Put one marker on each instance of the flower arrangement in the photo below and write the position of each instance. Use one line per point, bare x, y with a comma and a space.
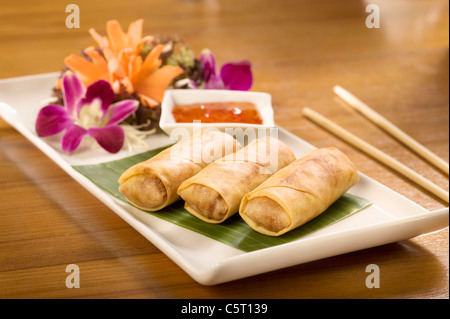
112, 92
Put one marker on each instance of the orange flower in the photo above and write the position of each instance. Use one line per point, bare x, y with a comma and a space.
122, 65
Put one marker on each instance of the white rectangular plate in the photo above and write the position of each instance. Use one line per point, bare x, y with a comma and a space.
390, 218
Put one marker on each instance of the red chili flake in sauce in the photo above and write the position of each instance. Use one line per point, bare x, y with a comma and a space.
217, 112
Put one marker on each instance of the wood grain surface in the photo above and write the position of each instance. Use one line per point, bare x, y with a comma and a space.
299, 50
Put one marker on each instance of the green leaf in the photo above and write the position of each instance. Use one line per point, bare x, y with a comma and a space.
234, 231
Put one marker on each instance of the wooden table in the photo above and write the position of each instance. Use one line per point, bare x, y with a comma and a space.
299, 50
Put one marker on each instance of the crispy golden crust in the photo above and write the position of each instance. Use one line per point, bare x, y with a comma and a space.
303, 190
214, 208
268, 213
144, 190
152, 184
214, 194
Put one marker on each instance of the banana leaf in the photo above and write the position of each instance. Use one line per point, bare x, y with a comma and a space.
234, 231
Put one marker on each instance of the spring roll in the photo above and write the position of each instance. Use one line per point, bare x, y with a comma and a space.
299, 192
215, 193
152, 184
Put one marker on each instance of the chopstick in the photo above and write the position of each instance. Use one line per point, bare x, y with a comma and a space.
376, 153
375, 117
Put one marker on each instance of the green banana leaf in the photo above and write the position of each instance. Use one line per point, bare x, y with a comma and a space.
234, 231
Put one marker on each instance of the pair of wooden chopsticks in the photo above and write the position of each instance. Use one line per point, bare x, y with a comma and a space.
376, 153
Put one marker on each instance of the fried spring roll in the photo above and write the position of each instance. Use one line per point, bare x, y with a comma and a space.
299, 192
215, 193
152, 184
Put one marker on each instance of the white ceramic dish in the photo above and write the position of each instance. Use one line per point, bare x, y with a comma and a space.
263, 102
390, 218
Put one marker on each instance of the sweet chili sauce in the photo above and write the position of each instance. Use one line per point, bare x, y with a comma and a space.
217, 112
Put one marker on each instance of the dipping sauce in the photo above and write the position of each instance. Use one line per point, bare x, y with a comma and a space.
217, 112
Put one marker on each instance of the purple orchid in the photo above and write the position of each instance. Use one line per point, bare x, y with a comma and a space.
232, 76
89, 112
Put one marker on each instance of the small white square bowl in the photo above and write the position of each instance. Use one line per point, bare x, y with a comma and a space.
263, 102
